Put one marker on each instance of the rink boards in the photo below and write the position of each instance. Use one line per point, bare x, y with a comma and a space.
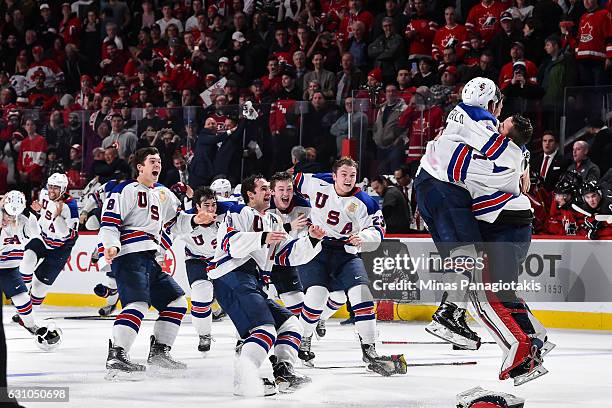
574, 275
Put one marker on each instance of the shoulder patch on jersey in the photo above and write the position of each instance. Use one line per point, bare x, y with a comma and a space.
326, 177
109, 186
369, 202
119, 187
299, 201
73, 206
190, 211
476, 113
225, 206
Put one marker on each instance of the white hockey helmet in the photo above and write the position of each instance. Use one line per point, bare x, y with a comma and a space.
480, 91
59, 180
14, 202
221, 187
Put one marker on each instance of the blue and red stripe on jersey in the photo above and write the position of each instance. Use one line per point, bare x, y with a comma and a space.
12, 255
282, 258
131, 236
495, 146
489, 203
110, 219
225, 243
459, 163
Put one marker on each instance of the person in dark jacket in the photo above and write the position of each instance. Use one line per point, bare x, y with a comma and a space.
201, 166
301, 164
395, 208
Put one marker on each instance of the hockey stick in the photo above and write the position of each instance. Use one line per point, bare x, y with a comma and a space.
427, 342
451, 363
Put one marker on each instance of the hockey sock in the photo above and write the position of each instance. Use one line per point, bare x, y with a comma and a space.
460, 273
201, 299
363, 305
293, 301
127, 324
27, 279
288, 340
258, 344
314, 301
334, 302
23, 304
38, 291
27, 266
169, 321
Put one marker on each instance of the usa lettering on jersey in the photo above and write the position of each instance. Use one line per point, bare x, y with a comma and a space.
57, 226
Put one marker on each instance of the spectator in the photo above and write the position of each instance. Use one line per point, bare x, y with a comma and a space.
178, 173
358, 123
594, 51
502, 42
517, 53
451, 35
548, 14
400, 20
201, 166
472, 56
301, 163
316, 128
168, 19
355, 13
116, 165
357, 46
387, 50
123, 140
533, 42
484, 19
388, 135
556, 73
562, 219
404, 183
52, 165
522, 95
596, 202
299, 65
425, 76
550, 164
32, 157
395, 208
326, 79
484, 68
349, 79
405, 88
582, 165
521, 10
420, 32
601, 146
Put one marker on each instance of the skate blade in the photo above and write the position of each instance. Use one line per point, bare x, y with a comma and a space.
119, 375
308, 364
445, 334
547, 348
536, 373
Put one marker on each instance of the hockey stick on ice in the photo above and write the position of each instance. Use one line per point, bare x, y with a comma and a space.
427, 342
450, 363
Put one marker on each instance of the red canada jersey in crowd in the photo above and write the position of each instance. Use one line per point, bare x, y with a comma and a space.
32, 155
485, 20
423, 126
406, 93
561, 221
271, 86
278, 114
506, 73
71, 31
421, 43
220, 118
595, 35
456, 37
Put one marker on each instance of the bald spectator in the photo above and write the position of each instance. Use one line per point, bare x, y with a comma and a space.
582, 163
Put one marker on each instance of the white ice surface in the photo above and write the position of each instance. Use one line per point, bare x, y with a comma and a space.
580, 369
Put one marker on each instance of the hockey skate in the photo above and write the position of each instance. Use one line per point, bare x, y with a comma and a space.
204, 344
107, 310
530, 369
238, 347
159, 355
321, 330
287, 380
16, 318
247, 382
547, 347
218, 315
383, 365
304, 352
448, 323
119, 365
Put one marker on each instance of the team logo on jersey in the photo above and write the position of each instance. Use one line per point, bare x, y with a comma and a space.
162, 196
352, 207
586, 33
168, 265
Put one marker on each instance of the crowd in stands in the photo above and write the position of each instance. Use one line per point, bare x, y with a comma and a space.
85, 83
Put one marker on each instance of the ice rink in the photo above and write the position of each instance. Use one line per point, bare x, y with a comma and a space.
580, 369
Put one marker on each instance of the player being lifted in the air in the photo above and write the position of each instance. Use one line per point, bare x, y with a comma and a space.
130, 233
353, 223
250, 241
198, 228
46, 255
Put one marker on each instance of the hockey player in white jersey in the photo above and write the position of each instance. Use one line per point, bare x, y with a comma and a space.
294, 212
250, 240
131, 233
46, 255
16, 229
353, 224
223, 189
446, 205
198, 228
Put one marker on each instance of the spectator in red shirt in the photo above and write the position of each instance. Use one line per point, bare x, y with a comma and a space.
32, 155
355, 13
484, 18
115, 61
451, 35
517, 53
272, 81
594, 51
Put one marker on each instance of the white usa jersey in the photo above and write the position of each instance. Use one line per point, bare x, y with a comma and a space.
240, 240
13, 239
57, 226
298, 206
201, 241
96, 198
471, 132
339, 216
132, 219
